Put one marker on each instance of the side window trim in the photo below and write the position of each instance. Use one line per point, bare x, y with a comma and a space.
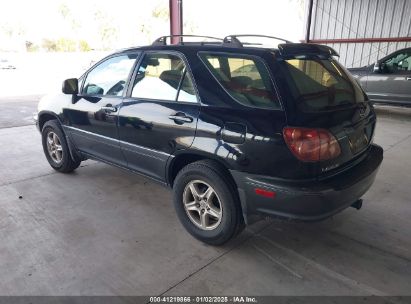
130, 74
134, 72
81, 82
243, 55
181, 83
187, 69
85, 75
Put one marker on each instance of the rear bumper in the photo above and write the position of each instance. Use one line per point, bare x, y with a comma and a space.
310, 200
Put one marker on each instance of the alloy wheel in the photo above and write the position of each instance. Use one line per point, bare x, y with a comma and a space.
202, 205
54, 147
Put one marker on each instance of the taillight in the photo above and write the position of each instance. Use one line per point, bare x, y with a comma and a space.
311, 145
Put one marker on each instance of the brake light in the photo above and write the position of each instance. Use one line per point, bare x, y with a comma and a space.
311, 145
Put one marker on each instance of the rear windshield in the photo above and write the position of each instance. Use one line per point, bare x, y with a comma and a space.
244, 77
321, 84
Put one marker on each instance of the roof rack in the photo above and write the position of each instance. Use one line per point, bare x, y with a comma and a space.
163, 40
230, 40
234, 41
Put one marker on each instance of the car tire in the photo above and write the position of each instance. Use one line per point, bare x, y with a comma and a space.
56, 148
214, 216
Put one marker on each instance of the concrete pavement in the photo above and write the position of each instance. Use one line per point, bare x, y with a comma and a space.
18, 111
104, 231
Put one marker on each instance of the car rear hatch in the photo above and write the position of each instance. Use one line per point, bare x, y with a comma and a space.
322, 95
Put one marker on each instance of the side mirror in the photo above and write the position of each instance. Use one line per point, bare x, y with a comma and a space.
70, 86
377, 67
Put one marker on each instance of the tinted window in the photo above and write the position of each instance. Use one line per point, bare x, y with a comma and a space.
399, 63
109, 77
164, 77
320, 84
245, 78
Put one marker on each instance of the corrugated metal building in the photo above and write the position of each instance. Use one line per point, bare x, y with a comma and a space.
361, 31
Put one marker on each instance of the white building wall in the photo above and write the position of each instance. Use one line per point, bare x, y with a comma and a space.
355, 19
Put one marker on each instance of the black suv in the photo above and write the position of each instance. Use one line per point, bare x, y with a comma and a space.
238, 131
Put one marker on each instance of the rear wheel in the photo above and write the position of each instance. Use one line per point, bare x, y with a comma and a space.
56, 149
206, 203
202, 205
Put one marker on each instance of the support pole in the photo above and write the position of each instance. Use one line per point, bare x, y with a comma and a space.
176, 19
310, 13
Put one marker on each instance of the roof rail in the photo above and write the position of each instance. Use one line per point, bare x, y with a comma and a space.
234, 41
163, 39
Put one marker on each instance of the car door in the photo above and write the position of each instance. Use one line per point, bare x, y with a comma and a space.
92, 116
392, 82
159, 115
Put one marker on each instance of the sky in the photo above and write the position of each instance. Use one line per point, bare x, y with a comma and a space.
283, 18
39, 19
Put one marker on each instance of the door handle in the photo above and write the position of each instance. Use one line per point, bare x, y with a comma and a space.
109, 109
181, 118
408, 78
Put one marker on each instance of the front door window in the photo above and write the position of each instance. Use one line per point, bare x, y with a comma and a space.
109, 77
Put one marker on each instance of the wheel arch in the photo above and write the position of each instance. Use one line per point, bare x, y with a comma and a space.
179, 161
217, 165
45, 116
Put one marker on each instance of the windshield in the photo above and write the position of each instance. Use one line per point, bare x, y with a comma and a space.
321, 84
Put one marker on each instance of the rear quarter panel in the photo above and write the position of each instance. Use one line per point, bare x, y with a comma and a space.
262, 149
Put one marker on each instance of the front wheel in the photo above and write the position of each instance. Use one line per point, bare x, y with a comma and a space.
56, 149
206, 203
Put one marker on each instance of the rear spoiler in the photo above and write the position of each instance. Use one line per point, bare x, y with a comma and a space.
293, 49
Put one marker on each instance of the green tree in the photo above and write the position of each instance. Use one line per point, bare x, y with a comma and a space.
66, 45
49, 45
32, 47
106, 30
72, 23
84, 46
161, 12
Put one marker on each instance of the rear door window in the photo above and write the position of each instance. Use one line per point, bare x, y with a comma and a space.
164, 77
244, 77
